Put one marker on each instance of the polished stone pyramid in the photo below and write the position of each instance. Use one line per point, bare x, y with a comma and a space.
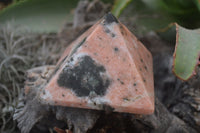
106, 68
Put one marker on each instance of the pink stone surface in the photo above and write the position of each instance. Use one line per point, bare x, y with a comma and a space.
106, 67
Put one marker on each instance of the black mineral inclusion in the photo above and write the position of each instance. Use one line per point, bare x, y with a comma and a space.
109, 18
84, 78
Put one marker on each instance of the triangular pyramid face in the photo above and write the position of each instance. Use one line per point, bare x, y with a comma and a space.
105, 68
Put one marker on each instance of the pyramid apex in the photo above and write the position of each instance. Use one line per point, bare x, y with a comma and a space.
110, 69
110, 18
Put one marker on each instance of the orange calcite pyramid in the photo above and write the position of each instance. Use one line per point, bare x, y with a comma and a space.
105, 68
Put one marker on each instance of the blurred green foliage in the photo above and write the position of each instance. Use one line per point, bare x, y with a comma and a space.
49, 15
118, 6
39, 15
184, 12
158, 15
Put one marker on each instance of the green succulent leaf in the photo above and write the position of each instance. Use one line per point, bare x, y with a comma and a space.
187, 52
39, 15
197, 2
118, 6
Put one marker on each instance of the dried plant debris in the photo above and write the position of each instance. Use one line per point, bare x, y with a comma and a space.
162, 121
35, 112
181, 98
20, 51
89, 12
186, 105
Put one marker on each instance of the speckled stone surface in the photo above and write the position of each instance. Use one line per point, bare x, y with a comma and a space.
105, 68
